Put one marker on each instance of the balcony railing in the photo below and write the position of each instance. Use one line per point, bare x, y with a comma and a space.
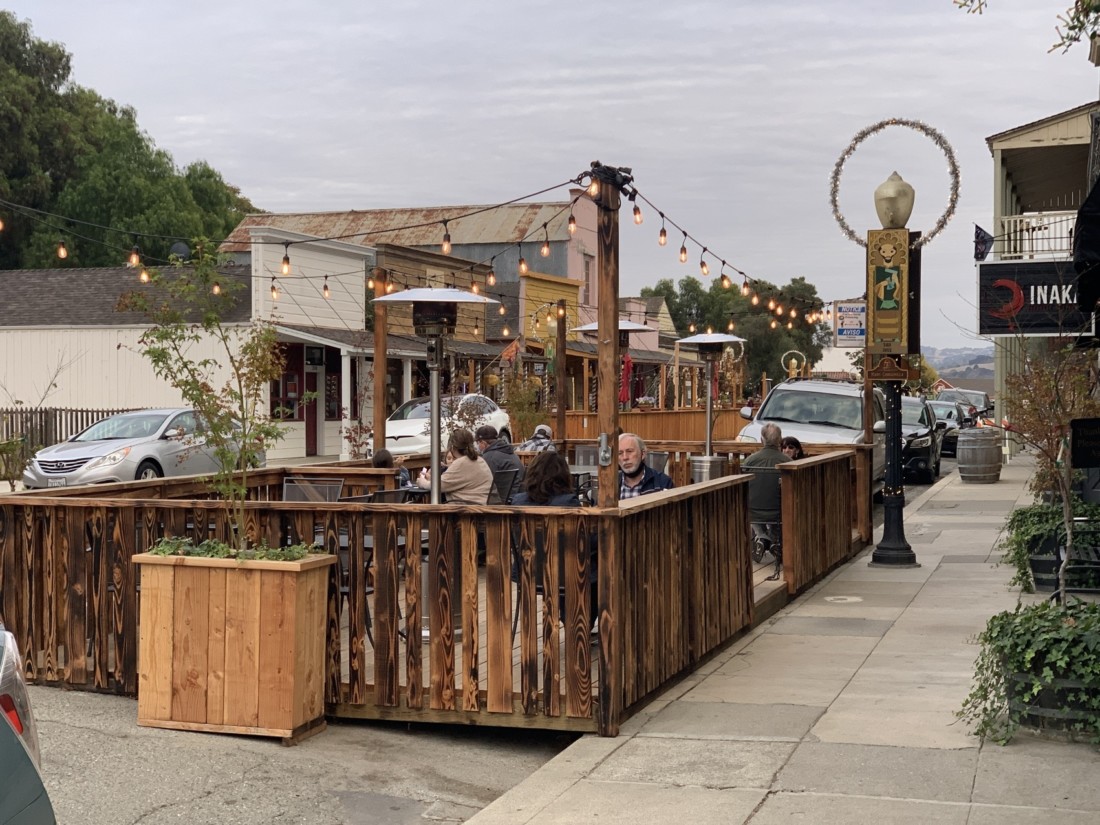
1036, 236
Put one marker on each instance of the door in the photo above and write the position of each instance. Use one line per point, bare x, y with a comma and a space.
186, 452
311, 413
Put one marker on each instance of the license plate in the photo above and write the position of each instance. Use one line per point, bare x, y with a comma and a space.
55, 482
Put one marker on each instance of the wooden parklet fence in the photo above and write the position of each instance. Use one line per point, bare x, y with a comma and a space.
417, 630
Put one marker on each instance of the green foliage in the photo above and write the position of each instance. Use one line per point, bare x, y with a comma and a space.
228, 390
214, 549
716, 306
1031, 651
14, 455
1026, 528
1079, 21
522, 403
68, 151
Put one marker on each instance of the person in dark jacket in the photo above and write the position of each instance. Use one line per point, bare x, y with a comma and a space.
636, 478
497, 452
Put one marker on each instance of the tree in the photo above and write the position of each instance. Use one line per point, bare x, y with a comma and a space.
185, 313
67, 151
1081, 20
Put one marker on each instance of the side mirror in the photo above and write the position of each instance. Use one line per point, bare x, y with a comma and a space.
173, 432
879, 426
746, 413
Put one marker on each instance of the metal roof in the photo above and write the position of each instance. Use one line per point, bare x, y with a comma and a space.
418, 226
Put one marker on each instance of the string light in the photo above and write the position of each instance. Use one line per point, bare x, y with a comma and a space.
522, 264
446, 245
477, 328
544, 250
755, 299
790, 325
325, 290
1, 224
474, 288
274, 289
745, 288
684, 249
703, 264
771, 304
491, 279
779, 309
710, 330
505, 331
691, 327
593, 188
135, 256
730, 326
794, 312
62, 250
500, 309
389, 286
726, 282
286, 258
561, 310
216, 288
572, 224
143, 276
662, 236
638, 217
774, 323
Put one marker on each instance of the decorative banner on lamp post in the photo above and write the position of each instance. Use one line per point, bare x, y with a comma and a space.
887, 291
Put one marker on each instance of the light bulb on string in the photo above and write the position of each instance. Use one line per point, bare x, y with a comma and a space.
135, 256
505, 331
389, 287
549, 317
370, 282
274, 290
684, 249
286, 259
572, 224
771, 304
1, 224
500, 309
445, 247
774, 323
491, 278
790, 325
755, 299
730, 326
745, 288
779, 309
638, 217
325, 290
691, 327
474, 288
143, 276
522, 265
561, 310
477, 328
726, 282
662, 236
703, 268
794, 312
593, 188
62, 250
544, 250
216, 288
710, 330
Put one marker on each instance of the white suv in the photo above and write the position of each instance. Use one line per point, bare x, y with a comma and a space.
821, 412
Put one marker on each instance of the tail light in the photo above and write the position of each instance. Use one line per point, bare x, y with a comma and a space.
15, 705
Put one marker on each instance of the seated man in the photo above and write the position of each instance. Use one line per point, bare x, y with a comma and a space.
636, 478
765, 511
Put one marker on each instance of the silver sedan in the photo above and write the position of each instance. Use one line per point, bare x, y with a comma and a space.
136, 445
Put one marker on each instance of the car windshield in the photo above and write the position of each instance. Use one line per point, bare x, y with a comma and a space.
911, 415
820, 408
123, 426
945, 411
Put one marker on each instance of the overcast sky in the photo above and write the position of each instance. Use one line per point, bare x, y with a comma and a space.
731, 113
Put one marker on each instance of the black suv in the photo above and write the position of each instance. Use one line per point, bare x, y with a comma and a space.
923, 436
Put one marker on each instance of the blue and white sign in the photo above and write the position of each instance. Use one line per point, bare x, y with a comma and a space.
850, 324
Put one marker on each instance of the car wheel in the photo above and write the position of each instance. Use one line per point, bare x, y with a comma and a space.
147, 470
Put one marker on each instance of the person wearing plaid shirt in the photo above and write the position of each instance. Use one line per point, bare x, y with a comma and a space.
636, 478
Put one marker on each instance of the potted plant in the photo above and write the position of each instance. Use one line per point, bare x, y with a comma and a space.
1033, 542
232, 641
1039, 667
645, 402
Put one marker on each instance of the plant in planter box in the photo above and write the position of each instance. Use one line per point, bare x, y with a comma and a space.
214, 549
1036, 531
1039, 666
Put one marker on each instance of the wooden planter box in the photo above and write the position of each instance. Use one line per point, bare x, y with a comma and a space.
233, 647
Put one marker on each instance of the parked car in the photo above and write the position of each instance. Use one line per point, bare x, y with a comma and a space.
23, 797
923, 436
956, 417
821, 412
126, 447
408, 427
976, 402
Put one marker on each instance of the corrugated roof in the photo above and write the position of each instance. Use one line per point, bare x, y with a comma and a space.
419, 226
89, 297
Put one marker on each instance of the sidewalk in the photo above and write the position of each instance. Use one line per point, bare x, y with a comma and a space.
840, 708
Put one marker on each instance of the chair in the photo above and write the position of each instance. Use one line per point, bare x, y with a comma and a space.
503, 483
312, 489
765, 515
657, 460
398, 496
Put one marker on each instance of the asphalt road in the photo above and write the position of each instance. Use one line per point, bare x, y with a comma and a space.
100, 768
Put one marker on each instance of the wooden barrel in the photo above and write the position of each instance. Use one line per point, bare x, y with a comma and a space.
979, 455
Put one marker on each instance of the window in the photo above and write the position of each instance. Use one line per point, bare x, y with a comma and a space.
285, 398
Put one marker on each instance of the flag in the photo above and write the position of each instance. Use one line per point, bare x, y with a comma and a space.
983, 243
624, 379
510, 352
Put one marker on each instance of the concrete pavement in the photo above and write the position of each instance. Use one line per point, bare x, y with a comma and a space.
838, 709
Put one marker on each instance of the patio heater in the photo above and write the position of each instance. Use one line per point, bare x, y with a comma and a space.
434, 315
710, 346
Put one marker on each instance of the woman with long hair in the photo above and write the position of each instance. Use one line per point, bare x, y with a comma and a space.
467, 478
548, 482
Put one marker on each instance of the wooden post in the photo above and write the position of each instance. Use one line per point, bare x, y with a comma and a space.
610, 572
676, 376
380, 360
559, 375
584, 387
